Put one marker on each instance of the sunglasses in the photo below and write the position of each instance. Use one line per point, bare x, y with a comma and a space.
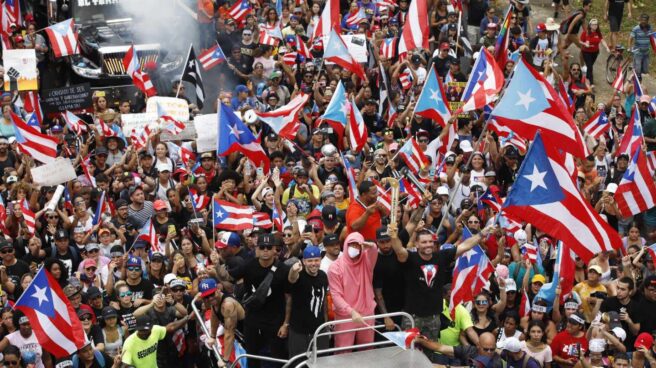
85, 318
267, 247
11, 362
474, 222
125, 293
94, 251
92, 269
137, 269
79, 203
489, 350
481, 302
178, 290
8, 250
52, 217
288, 235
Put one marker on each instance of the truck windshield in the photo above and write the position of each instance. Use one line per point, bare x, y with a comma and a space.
90, 11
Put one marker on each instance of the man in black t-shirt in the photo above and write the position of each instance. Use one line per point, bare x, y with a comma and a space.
11, 270
389, 288
627, 309
266, 322
425, 274
308, 288
647, 304
443, 60
142, 289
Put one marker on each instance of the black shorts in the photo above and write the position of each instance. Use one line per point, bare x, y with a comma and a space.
615, 21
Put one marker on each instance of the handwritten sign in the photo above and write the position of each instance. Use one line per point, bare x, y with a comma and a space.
57, 172
176, 108
188, 134
206, 126
72, 98
137, 122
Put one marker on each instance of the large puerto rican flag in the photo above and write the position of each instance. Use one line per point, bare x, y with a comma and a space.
63, 38
636, 192
53, 319
330, 19
284, 120
31, 141
432, 102
337, 52
545, 195
415, 29
633, 138
140, 78
230, 216
485, 82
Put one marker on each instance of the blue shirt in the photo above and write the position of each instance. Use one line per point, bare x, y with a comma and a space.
641, 39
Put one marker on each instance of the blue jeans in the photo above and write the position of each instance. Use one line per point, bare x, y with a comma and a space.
641, 63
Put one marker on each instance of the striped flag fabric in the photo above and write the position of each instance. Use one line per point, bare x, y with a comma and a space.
384, 197
524, 305
403, 339
357, 129
492, 200
514, 140
140, 78
199, 201
86, 165
284, 120
230, 216
337, 52
267, 39
100, 208
530, 252
40, 146
63, 38
106, 130
262, 220
148, 234
414, 197
388, 47
302, 49
74, 123
28, 216
405, 79
651, 162
278, 220
636, 192
597, 125
350, 175
484, 84
508, 224
633, 138
33, 106
637, 87
239, 10
290, 58
413, 156
13, 11
415, 29
618, 82
329, 20
391, 4
168, 123
52, 317
212, 57
353, 19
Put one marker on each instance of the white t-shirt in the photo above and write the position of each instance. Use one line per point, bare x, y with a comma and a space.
545, 356
27, 344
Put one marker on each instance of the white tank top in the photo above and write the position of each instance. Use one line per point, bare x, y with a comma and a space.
29, 344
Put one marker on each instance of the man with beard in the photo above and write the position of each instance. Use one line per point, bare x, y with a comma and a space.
627, 309
308, 289
225, 310
7, 158
426, 273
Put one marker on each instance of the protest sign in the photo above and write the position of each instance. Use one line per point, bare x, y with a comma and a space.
71, 98
57, 172
188, 134
357, 46
20, 70
176, 108
137, 122
206, 126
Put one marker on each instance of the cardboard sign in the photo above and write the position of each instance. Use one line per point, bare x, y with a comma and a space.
137, 122
188, 134
20, 70
357, 46
206, 126
72, 98
176, 108
57, 172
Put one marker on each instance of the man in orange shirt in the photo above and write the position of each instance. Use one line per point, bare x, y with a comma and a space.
365, 213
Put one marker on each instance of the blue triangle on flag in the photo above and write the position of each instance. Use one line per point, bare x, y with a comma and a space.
38, 296
536, 181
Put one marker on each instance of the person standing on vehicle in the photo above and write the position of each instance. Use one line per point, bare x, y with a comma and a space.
614, 14
639, 45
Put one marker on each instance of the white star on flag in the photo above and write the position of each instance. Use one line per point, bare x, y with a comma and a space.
234, 131
219, 214
536, 178
525, 99
345, 108
434, 95
40, 295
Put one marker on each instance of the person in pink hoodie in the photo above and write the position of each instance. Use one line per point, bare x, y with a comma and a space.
350, 279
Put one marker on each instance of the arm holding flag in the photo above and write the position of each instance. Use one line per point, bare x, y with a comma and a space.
469, 243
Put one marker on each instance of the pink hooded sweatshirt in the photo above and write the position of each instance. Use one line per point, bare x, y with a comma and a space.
350, 281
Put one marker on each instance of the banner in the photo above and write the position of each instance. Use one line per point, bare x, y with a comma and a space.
206, 124
176, 108
57, 172
20, 70
72, 98
137, 122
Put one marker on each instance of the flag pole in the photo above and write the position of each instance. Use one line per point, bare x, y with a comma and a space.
213, 227
184, 66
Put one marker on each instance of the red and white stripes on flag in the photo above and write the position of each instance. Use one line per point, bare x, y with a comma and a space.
406, 80
524, 305
651, 162
63, 38
597, 125
290, 58
388, 47
618, 83
267, 39
384, 197
530, 252
28, 216
284, 120
239, 11
74, 123
262, 220
31, 141
302, 49
507, 136
148, 234
86, 165
414, 197
106, 130
415, 29
32, 105
636, 192
413, 156
330, 18
140, 78
229, 216
357, 129
353, 19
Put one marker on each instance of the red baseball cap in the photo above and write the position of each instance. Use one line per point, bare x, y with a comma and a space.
644, 340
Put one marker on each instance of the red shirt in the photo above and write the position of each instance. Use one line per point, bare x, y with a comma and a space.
368, 231
564, 345
594, 39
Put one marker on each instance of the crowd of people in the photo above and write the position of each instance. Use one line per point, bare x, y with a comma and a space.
331, 251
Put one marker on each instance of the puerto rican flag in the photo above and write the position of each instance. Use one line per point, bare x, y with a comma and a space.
13, 12
168, 123
267, 39
100, 208
470, 274
529, 104
492, 200
239, 11
353, 19
139, 77
33, 106
524, 305
651, 162
85, 164
53, 319
545, 195
350, 176
63, 38
40, 146
187, 156
637, 87
618, 83
432, 102
337, 52
106, 130
199, 201
212, 57
235, 136
633, 138
278, 220
384, 197
284, 120
564, 270
530, 252
403, 339
507, 136
262, 220
388, 47
565, 97
636, 192
413, 156
391, 4
597, 125
357, 129
302, 49
415, 28
414, 197
148, 234
290, 58
485, 82
230, 216
329, 20
74, 123
405, 79
28, 216
336, 112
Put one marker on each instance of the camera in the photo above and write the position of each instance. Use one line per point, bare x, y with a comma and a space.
599, 295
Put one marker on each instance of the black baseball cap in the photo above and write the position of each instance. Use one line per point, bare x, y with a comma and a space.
265, 239
382, 234
330, 239
5, 244
61, 234
329, 215
144, 323
109, 312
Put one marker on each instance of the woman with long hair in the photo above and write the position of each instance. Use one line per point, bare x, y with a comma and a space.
342, 201
539, 313
484, 314
113, 334
536, 345
57, 269
591, 38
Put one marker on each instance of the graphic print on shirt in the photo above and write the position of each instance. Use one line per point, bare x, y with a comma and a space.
430, 271
316, 300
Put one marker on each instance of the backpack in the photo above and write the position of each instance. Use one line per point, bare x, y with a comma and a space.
564, 26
